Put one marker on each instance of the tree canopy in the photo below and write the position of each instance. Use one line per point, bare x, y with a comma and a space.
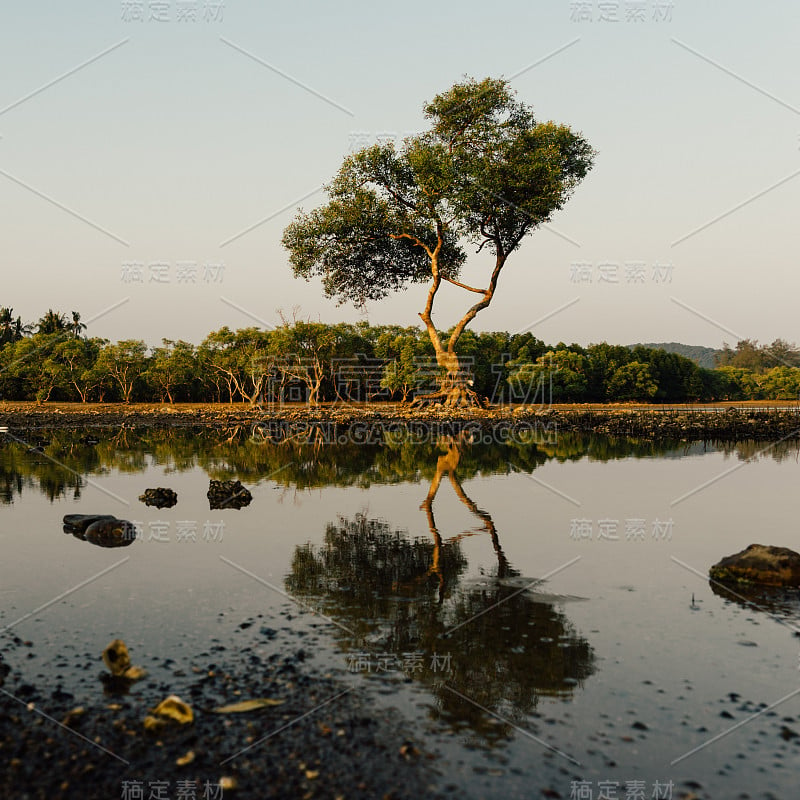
485, 175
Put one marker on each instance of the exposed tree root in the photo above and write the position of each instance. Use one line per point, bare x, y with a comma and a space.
456, 396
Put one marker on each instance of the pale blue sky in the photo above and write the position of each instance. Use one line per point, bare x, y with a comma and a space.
174, 141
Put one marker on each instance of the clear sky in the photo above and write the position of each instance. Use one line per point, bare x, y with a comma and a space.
179, 146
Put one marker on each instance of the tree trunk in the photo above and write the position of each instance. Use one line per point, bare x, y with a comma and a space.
455, 387
82, 395
313, 392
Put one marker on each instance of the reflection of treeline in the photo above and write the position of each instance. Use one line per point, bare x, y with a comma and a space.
314, 361
750, 450
55, 461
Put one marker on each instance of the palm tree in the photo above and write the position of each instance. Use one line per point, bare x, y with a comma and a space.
21, 330
6, 325
11, 330
52, 322
77, 326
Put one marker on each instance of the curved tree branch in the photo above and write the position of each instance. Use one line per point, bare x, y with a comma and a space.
464, 286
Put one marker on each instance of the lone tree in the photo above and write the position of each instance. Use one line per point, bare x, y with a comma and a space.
485, 175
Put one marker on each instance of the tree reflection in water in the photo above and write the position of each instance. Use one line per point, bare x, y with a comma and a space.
494, 642
58, 462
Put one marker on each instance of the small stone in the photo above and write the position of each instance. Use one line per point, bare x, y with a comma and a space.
134, 673
116, 657
72, 716
174, 708
153, 723
408, 751
160, 497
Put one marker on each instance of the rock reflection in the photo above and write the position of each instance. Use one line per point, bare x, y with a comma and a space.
774, 600
493, 644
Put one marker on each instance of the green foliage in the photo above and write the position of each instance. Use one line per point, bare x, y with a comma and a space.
405, 354
31, 370
558, 376
759, 358
124, 362
485, 174
781, 383
252, 365
172, 367
78, 358
632, 381
310, 352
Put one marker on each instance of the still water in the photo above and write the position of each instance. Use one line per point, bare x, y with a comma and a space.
538, 611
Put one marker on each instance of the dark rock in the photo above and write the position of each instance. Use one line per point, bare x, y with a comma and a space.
228, 494
104, 530
111, 533
762, 564
78, 523
160, 497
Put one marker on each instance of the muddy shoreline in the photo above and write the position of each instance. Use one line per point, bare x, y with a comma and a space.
325, 740
369, 423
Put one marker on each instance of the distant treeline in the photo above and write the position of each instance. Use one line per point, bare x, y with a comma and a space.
313, 362
704, 356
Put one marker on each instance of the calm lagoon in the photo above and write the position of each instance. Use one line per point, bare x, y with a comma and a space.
539, 612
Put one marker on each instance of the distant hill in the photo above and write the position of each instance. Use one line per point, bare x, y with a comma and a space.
703, 356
